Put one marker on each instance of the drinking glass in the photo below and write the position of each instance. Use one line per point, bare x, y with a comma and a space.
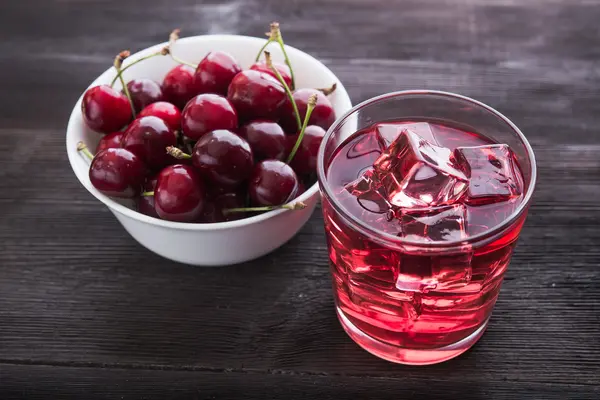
416, 302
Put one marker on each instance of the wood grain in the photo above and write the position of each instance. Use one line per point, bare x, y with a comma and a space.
36, 382
86, 312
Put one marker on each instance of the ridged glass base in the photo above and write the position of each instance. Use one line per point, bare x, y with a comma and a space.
408, 356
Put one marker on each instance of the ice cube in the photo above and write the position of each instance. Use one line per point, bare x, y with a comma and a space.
417, 173
494, 175
414, 274
439, 273
373, 264
368, 192
390, 312
484, 217
364, 199
372, 268
445, 223
388, 132
452, 272
368, 144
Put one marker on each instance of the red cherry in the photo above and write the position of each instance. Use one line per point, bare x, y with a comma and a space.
213, 191
179, 194
223, 158
267, 139
165, 111
179, 86
205, 113
305, 160
215, 72
301, 189
144, 92
110, 141
290, 142
323, 114
117, 173
256, 95
272, 183
145, 204
213, 210
105, 109
148, 138
283, 70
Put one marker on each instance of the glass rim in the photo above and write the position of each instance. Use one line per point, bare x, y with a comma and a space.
369, 231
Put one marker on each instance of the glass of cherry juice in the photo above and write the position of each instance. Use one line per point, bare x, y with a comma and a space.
424, 195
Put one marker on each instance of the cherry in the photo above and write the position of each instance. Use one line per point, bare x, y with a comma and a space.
305, 160
272, 183
144, 92
301, 189
205, 113
148, 137
290, 142
256, 95
323, 114
110, 141
284, 70
213, 191
117, 173
213, 210
223, 157
179, 194
267, 139
105, 109
179, 86
165, 111
145, 204
215, 72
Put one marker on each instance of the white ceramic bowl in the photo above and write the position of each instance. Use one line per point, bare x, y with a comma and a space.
219, 243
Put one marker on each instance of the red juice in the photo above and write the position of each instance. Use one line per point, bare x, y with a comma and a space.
416, 304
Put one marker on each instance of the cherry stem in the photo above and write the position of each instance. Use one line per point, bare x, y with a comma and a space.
288, 92
263, 49
84, 149
290, 206
275, 35
329, 90
163, 52
172, 39
180, 61
271, 36
177, 153
118, 62
147, 194
312, 102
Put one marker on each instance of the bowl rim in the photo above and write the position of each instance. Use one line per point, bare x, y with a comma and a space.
128, 212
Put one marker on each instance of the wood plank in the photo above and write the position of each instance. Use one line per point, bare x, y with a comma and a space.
44, 382
504, 53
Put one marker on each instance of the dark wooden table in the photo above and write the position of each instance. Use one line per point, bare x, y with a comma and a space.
87, 313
